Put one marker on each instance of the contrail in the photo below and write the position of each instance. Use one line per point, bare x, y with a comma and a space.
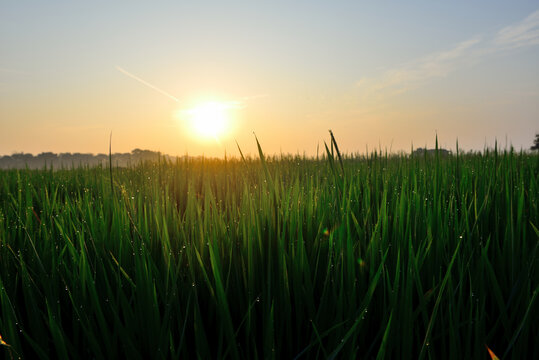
147, 84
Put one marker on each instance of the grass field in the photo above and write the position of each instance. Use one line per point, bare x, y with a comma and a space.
288, 257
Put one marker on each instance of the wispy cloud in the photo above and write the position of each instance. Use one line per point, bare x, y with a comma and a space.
144, 82
420, 71
523, 33
441, 64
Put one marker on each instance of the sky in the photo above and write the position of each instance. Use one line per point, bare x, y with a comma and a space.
381, 74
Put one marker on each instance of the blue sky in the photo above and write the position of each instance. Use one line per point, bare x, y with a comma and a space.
387, 74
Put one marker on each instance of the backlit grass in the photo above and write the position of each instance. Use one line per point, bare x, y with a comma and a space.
274, 257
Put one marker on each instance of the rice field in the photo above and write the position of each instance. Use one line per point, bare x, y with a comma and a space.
287, 257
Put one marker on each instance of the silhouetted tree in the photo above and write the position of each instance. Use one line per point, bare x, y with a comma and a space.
535, 143
47, 156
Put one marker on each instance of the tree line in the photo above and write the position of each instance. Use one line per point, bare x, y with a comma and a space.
67, 160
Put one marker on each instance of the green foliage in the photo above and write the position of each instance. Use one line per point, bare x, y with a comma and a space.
349, 257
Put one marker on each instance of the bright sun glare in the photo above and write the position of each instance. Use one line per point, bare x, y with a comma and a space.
210, 119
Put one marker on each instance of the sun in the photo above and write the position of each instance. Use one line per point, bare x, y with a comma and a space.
209, 119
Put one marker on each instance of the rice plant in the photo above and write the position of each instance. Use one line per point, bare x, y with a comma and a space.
344, 256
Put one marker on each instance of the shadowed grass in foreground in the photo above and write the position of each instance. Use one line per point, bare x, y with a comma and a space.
346, 257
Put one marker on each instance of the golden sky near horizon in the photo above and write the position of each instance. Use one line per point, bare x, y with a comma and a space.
195, 78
